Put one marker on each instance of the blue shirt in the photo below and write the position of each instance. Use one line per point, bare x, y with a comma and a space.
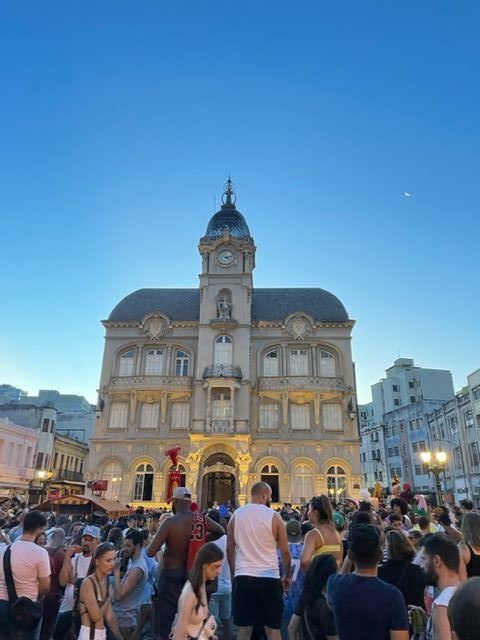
365, 608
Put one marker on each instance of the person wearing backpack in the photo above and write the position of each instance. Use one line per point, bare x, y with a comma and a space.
24, 578
75, 566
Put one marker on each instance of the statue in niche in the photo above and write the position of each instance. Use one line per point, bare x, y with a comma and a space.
224, 306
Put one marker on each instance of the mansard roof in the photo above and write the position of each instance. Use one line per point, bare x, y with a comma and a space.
267, 304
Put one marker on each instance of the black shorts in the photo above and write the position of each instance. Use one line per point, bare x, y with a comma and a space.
257, 601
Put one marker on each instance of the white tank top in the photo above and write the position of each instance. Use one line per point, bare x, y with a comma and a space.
255, 546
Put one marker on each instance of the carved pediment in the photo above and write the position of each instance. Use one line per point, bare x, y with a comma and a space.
155, 326
298, 326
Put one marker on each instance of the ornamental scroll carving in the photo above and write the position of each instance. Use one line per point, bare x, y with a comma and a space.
155, 327
298, 326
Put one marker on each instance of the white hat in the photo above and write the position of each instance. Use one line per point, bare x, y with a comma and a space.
92, 531
182, 493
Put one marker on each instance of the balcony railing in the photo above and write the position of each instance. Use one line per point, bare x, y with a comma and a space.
307, 383
222, 371
220, 426
67, 474
151, 383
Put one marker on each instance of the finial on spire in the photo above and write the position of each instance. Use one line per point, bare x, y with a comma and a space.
229, 198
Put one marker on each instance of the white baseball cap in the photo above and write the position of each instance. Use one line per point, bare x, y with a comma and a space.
91, 530
182, 493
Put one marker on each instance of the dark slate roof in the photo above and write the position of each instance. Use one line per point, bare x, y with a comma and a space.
267, 304
228, 217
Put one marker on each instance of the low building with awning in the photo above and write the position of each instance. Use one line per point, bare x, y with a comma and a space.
84, 505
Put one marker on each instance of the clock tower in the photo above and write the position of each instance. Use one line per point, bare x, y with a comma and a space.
223, 361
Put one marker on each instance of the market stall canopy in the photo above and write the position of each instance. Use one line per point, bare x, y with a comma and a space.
112, 508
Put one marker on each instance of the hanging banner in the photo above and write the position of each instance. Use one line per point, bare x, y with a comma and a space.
173, 483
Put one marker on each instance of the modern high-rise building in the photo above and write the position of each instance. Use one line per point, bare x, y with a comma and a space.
252, 384
393, 426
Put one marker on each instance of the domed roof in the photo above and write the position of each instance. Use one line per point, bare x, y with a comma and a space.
267, 304
228, 218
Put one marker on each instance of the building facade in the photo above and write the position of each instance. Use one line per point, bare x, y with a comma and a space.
68, 465
394, 428
75, 415
18, 446
455, 428
250, 383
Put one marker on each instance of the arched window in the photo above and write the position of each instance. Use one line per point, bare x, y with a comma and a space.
154, 362
223, 350
302, 484
126, 365
182, 360
143, 487
270, 475
112, 473
327, 364
336, 482
270, 363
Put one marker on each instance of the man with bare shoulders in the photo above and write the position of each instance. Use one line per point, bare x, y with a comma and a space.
174, 533
254, 533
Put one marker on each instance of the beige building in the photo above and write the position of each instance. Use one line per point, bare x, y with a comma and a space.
251, 383
68, 465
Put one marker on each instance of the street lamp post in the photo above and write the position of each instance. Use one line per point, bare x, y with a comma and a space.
436, 463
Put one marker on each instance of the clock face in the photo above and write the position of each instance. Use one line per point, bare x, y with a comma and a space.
225, 257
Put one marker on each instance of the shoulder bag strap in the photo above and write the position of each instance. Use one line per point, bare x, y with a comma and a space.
7, 569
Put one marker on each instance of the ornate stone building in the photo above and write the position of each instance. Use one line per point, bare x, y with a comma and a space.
251, 383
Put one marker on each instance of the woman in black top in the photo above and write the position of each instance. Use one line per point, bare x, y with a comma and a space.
316, 617
399, 570
470, 546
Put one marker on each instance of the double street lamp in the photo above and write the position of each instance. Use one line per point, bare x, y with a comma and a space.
436, 463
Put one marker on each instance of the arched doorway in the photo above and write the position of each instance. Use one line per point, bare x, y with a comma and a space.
218, 484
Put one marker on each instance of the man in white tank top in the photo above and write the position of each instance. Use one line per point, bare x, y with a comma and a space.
254, 533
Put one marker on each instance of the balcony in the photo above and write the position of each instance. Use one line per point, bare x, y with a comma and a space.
69, 476
151, 383
302, 383
222, 371
220, 427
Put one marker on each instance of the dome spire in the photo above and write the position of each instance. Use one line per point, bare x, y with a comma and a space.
229, 198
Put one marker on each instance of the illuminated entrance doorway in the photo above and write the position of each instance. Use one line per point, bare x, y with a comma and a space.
219, 483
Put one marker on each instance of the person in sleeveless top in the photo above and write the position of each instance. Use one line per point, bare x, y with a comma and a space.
254, 533
324, 537
470, 546
193, 617
95, 598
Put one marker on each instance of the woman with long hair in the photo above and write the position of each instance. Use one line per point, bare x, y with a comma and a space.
193, 619
323, 538
470, 546
95, 598
400, 571
316, 617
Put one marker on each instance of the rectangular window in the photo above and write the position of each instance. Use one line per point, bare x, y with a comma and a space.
118, 416
298, 362
180, 415
45, 424
39, 462
149, 414
55, 460
126, 366
327, 365
396, 402
474, 454
154, 362
332, 416
395, 388
300, 416
181, 363
270, 364
410, 385
421, 470
28, 457
269, 415
52, 426
412, 399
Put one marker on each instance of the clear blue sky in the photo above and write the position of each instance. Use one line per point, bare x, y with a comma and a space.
120, 120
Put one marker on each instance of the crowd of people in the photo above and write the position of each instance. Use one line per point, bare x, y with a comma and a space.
321, 571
